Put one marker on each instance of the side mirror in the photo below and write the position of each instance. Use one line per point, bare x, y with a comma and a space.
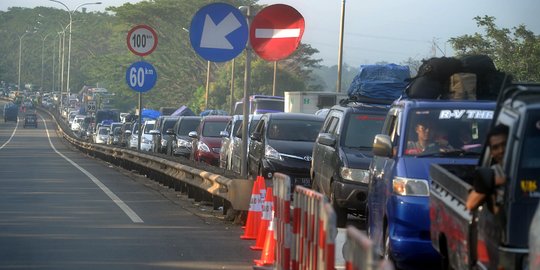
382, 146
169, 131
256, 136
326, 139
193, 134
154, 132
224, 134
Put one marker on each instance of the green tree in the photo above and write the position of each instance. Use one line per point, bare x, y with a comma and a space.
516, 50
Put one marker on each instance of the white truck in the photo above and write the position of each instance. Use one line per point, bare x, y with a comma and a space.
311, 101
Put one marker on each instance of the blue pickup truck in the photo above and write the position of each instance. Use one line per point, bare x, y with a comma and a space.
417, 133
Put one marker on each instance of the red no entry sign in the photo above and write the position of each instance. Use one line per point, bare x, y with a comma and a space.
276, 32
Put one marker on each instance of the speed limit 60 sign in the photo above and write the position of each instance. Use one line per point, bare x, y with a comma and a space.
142, 40
141, 76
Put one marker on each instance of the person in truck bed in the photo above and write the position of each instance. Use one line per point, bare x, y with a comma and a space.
497, 138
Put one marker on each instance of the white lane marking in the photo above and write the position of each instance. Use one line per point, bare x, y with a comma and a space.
12, 134
129, 212
277, 33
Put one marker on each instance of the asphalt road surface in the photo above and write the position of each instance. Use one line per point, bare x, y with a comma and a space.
60, 209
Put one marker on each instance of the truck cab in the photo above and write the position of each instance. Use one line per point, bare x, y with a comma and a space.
484, 238
417, 133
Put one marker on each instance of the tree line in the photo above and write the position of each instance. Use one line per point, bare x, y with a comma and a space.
100, 57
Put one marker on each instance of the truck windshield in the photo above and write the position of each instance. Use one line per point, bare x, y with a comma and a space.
361, 129
440, 132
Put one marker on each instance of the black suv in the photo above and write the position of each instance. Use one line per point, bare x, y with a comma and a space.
283, 142
180, 142
342, 154
163, 124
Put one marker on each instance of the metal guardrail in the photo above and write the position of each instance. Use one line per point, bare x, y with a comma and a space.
231, 194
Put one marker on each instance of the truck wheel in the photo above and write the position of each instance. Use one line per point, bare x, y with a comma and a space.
341, 213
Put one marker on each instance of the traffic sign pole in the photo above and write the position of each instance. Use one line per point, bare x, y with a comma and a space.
141, 76
247, 82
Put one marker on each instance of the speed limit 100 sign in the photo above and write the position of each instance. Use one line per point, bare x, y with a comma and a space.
142, 40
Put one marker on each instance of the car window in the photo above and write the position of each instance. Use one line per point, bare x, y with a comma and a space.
237, 127
294, 130
212, 129
360, 130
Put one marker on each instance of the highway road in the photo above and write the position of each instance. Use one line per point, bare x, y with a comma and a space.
60, 209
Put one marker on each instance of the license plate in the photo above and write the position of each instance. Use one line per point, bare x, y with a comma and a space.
306, 182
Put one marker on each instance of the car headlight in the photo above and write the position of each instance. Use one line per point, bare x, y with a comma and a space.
410, 187
203, 147
183, 143
357, 175
163, 142
103, 137
270, 152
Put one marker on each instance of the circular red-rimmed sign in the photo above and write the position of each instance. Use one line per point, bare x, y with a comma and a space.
142, 40
276, 32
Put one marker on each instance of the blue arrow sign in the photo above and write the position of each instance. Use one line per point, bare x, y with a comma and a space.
141, 76
218, 32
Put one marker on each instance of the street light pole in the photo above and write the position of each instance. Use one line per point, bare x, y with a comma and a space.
69, 42
20, 57
340, 53
42, 56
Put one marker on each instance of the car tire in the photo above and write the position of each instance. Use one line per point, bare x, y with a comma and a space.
341, 213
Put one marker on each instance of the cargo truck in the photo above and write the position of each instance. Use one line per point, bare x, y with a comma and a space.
484, 238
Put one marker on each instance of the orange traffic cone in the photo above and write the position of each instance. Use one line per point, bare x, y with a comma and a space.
268, 253
265, 219
254, 213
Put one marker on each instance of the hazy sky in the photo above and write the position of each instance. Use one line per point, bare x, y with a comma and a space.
379, 30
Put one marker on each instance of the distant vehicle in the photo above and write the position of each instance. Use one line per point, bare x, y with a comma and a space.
112, 115
180, 144
236, 148
102, 135
30, 120
207, 140
126, 133
164, 124
283, 142
113, 132
261, 104
311, 101
11, 112
134, 136
228, 135
147, 137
